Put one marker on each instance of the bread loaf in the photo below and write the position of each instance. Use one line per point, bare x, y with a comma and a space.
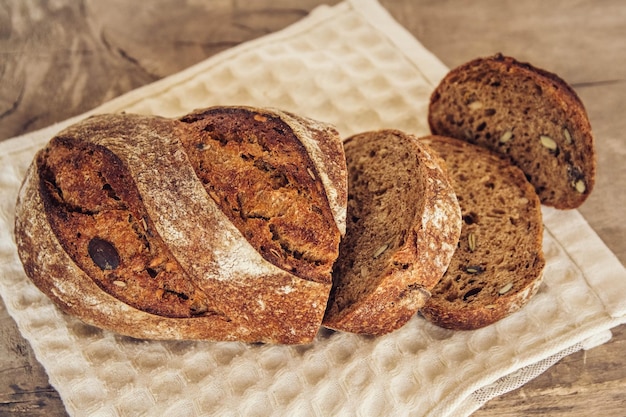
223, 225
498, 264
530, 116
402, 228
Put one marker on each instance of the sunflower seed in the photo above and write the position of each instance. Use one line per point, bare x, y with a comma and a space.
381, 250
568, 136
505, 288
548, 143
471, 241
506, 136
580, 186
474, 269
475, 105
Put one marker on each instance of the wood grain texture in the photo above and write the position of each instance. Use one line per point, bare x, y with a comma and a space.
61, 58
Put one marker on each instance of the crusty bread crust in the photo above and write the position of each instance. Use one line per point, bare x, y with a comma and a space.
246, 297
498, 264
321, 144
403, 225
529, 115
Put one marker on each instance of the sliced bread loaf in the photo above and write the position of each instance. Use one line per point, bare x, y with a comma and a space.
403, 223
498, 264
529, 115
224, 226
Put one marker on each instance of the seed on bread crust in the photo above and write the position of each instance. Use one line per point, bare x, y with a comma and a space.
580, 186
103, 254
381, 250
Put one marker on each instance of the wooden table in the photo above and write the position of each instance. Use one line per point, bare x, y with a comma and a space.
59, 59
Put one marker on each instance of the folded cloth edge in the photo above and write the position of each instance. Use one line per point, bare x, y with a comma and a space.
593, 334
509, 382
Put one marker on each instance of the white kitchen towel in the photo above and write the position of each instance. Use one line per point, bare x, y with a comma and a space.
354, 66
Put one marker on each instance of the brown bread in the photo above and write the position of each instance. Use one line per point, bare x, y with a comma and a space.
498, 264
146, 226
531, 116
402, 227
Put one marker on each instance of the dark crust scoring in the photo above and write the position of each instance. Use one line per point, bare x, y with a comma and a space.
251, 163
89, 196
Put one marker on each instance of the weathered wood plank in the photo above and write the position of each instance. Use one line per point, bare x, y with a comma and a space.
59, 59
24, 387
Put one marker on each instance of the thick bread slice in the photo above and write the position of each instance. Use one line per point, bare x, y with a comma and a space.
114, 225
498, 264
402, 227
529, 115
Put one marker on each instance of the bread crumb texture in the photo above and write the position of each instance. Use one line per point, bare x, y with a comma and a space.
529, 115
402, 224
498, 263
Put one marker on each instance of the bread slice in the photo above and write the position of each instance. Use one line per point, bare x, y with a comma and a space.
498, 264
529, 115
124, 227
402, 227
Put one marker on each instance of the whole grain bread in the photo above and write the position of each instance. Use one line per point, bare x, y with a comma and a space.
498, 263
402, 227
223, 226
527, 114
